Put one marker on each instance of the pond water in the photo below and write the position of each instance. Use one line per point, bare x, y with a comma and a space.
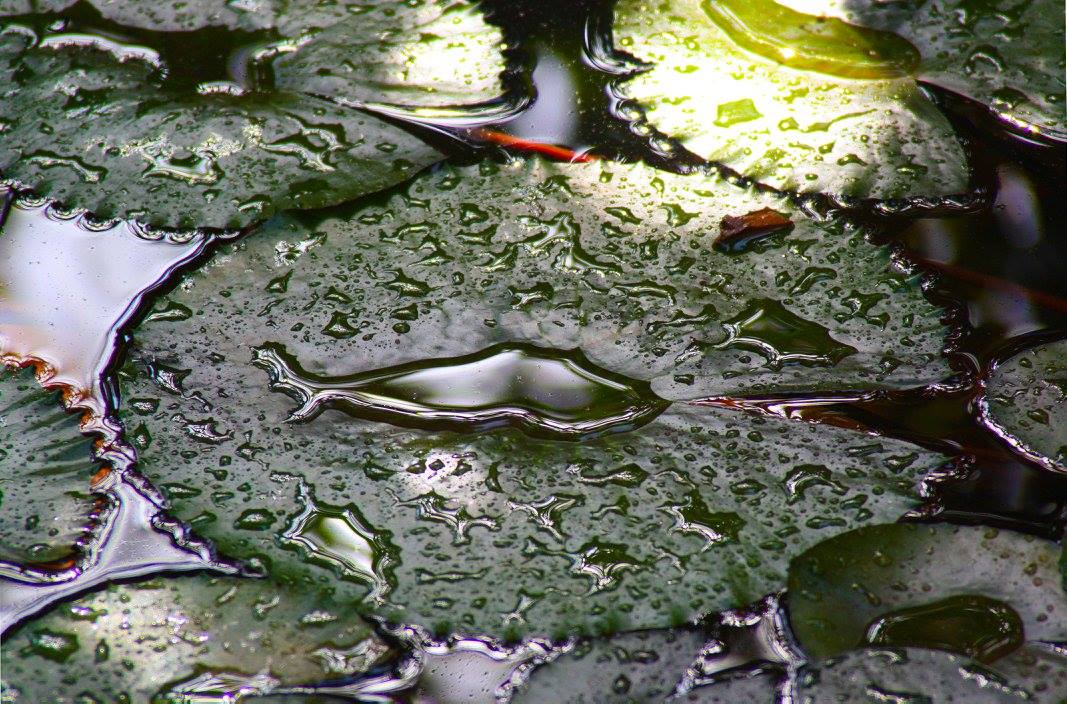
395, 403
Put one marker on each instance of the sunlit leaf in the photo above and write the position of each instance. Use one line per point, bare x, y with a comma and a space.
1005, 54
431, 54
46, 467
202, 637
1026, 403
95, 123
805, 128
578, 306
977, 591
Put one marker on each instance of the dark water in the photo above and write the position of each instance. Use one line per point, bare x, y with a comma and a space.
1000, 262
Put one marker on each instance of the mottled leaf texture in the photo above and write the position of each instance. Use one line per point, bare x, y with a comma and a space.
186, 639
808, 127
45, 468
95, 124
305, 407
1026, 403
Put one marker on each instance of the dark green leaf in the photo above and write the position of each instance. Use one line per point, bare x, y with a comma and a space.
46, 467
358, 316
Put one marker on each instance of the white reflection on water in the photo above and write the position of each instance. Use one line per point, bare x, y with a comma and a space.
66, 288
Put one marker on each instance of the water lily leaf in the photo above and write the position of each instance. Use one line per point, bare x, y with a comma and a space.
642, 666
172, 157
432, 54
1026, 403
1007, 55
192, 635
976, 591
796, 117
914, 675
393, 393
44, 488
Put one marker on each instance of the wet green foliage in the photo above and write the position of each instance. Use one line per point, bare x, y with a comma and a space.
225, 154
499, 532
507, 399
1026, 402
977, 591
1005, 55
45, 506
642, 666
187, 639
796, 130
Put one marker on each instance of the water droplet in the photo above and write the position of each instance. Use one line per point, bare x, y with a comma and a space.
976, 626
770, 329
544, 393
340, 537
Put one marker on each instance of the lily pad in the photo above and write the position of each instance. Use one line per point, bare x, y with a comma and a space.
796, 118
1006, 55
228, 158
393, 393
44, 488
914, 675
644, 666
430, 54
977, 591
1026, 403
189, 637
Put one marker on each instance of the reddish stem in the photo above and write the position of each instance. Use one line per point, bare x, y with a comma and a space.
550, 150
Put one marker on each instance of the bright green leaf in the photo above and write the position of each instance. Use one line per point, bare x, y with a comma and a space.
1005, 54
788, 127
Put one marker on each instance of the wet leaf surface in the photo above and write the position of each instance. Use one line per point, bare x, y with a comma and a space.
914, 675
903, 585
1026, 403
644, 666
193, 638
228, 156
796, 129
498, 531
45, 504
1006, 55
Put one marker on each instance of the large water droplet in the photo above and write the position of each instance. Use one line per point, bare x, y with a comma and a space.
339, 536
770, 329
976, 626
545, 393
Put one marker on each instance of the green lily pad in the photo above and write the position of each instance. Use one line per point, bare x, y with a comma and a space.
220, 158
1026, 403
392, 393
1007, 55
188, 636
642, 666
432, 54
914, 675
976, 591
44, 488
796, 118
